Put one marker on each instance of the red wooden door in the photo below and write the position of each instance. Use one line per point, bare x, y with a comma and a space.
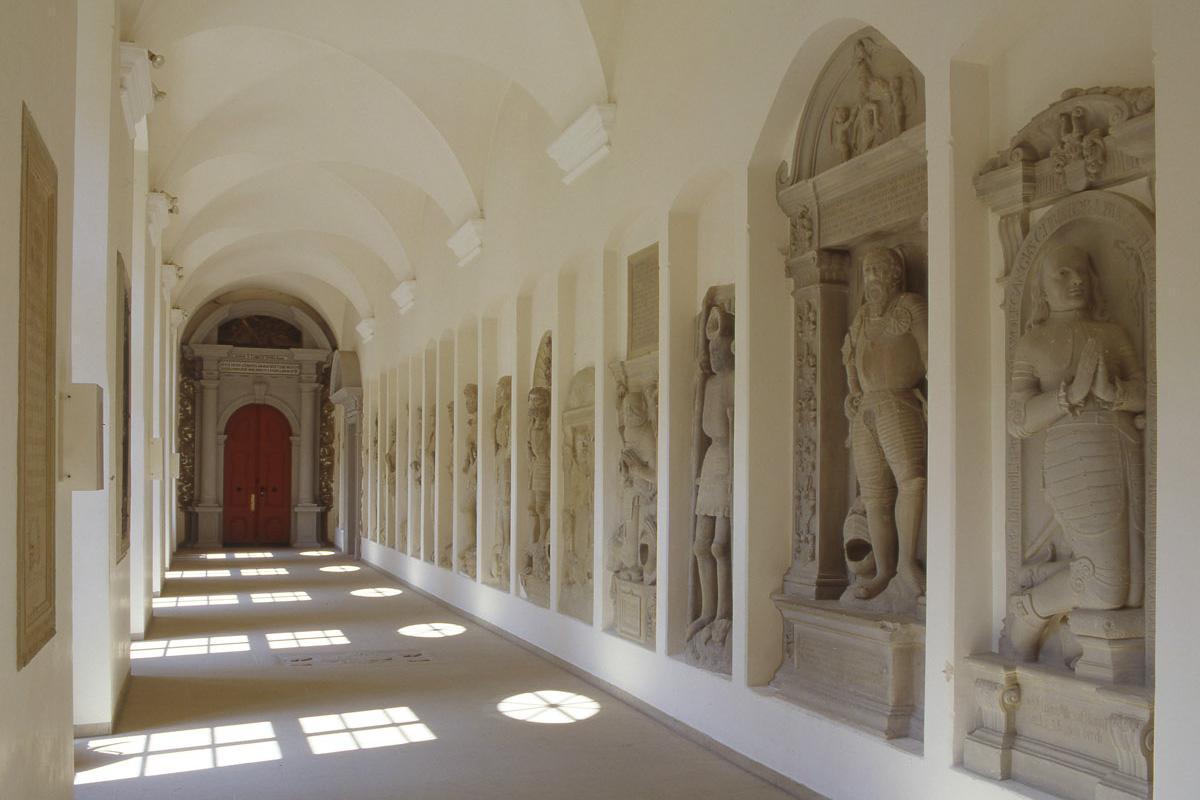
258, 477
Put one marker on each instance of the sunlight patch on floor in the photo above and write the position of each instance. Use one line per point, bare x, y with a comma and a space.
171, 752
199, 573
258, 571
431, 630
192, 601
279, 597
341, 568
378, 591
194, 646
549, 706
313, 553
363, 730
286, 640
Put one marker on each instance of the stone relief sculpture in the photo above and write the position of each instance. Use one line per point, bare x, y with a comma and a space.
403, 469
535, 558
856, 195
389, 458
502, 442
1076, 377
633, 550
415, 464
578, 459
1072, 684
446, 551
711, 614
467, 495
885, 358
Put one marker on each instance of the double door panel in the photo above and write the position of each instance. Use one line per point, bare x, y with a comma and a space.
258, 477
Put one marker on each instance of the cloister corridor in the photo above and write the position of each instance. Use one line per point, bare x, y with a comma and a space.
302, 674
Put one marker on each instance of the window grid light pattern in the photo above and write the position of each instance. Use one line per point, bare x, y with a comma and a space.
279, 597
256, 571
548, 706
199, 573
194, 646
195, 600
377, 591
292, 639
431, 630
363, 730
188, 750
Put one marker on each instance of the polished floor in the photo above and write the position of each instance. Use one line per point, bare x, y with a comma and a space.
287, 674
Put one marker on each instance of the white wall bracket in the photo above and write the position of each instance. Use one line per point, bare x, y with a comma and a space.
137, 91
405, 296
585, 142
366, 329
467, 242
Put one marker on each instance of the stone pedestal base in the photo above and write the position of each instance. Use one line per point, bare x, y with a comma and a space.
712, 647
535, 590
636, 610
575, 600
866, 669
1114, 645
1049, 728
208, 526
809, 582
308, 526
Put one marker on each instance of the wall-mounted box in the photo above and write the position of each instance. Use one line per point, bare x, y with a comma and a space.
82, 437
154, 460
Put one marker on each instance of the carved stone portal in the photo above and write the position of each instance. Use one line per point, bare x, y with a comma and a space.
578, 458
708, 640
1079, 347
855, 197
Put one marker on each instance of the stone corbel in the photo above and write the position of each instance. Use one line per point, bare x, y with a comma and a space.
1132, 738
405, 296
170, 278
585, 142
467, 241
158, 215
137, 91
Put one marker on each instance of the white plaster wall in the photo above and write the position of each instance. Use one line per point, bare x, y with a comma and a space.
103, 227
35, 703
719, 86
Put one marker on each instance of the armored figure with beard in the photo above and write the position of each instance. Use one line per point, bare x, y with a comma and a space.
885, 357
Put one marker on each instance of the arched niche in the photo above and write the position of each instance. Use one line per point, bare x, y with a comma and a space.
855, 192
207, 325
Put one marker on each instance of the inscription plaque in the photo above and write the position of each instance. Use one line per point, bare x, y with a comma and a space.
36, 392
643, 302
892, 201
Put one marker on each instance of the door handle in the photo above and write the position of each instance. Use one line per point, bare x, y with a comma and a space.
253, 497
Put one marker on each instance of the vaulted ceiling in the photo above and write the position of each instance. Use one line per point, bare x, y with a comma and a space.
310, 143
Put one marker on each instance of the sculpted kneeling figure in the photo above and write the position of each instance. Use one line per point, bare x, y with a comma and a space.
1076, 377
885, 357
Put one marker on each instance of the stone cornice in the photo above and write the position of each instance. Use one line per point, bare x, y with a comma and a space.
585, 142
